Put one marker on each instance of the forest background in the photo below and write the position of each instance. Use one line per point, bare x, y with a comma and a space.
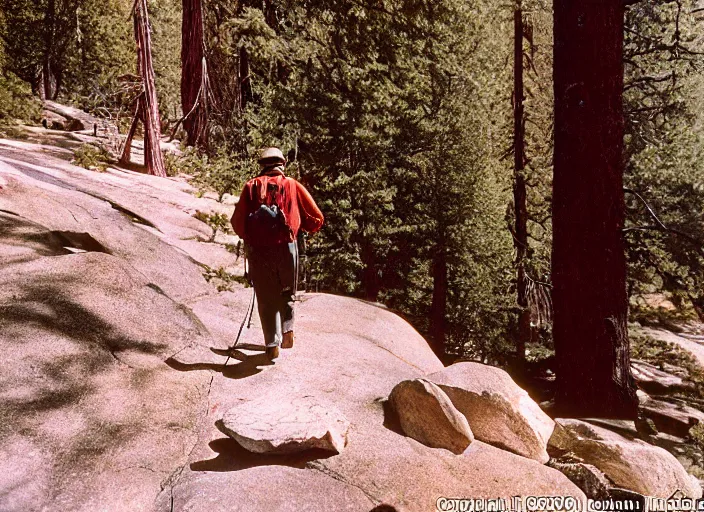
402, 118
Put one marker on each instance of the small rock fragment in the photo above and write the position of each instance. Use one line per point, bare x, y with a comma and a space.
276, 423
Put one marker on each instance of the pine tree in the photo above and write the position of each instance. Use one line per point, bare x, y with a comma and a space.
589, 267
147, 105
195, 83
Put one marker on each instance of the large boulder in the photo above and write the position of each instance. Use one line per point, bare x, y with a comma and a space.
498, 411
427, 415
278, 423
629, 463
53, 120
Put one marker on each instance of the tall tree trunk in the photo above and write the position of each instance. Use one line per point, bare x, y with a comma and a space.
153, 158
438, 306
370, 275
520, 231
588, 261
47, 91
126, 156
270, 13
245, 84
58, 82
194, 75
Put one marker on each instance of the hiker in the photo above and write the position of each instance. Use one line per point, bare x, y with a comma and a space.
271, 210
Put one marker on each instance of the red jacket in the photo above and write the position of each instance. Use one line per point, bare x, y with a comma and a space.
298, 206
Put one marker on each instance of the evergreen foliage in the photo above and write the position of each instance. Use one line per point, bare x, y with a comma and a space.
391, 112
397, 115
16, 101
664, 150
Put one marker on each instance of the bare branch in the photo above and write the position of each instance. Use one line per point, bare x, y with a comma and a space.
660, 226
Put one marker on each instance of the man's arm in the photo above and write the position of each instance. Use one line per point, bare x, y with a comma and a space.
311, 216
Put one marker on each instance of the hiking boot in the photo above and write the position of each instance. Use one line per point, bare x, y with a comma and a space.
288, 340
272, 352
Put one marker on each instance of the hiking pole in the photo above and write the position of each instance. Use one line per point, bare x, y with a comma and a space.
247, 316
254, 293
251, 308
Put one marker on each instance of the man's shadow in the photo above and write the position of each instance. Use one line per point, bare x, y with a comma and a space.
248, 364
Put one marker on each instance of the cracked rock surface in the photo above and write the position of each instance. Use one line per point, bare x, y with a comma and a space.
91, 305
116, 367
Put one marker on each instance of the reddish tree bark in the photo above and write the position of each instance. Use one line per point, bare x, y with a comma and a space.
149, 107
588, 262
138, 117
195, 91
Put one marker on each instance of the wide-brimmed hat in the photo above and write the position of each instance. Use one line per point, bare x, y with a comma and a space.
271, 156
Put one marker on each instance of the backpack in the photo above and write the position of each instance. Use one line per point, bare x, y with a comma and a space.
266, 226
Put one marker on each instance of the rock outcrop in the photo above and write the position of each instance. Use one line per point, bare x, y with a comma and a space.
427, 415
675, 418
53, 121
87, 408
77, 119
653, 380
117, 367
628, 463
498, 411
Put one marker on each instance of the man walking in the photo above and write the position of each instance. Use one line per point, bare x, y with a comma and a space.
271, 210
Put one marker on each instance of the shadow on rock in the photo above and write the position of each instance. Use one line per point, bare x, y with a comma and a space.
63, 378
233, 352
232, 457
20, 232
51, 310
391, 420
247, 367
35, 169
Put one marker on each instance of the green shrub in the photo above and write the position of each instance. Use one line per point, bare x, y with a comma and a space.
223, 279
697, 434
17, 102
189, 162
92, 157
217, 221
221, 172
